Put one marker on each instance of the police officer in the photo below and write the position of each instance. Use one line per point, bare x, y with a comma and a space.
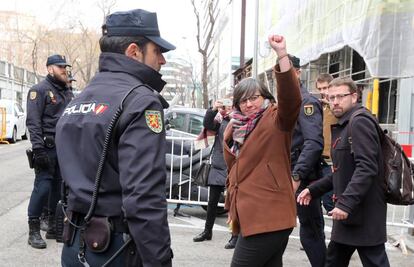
131, 196
307, 146
45, 103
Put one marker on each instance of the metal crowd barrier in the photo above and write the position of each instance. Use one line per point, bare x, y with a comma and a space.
180, 186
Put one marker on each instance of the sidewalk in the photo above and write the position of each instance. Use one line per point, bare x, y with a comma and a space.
15, 252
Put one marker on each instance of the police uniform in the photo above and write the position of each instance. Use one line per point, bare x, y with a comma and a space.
307, 146
45, 104
132, 190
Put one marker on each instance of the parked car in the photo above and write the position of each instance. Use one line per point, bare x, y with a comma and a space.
182, 122
185, 120
15, 120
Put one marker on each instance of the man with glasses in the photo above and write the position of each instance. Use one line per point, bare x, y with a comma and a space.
306, 150
359, 216
45, 104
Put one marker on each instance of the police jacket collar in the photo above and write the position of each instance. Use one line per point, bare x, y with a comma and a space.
345, 118
115, 62
55, 82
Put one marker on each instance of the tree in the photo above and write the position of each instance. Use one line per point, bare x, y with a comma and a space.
203, 49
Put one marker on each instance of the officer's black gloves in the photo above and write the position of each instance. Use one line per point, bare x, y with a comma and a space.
41, 160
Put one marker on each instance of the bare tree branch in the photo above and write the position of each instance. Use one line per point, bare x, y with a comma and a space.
204, 49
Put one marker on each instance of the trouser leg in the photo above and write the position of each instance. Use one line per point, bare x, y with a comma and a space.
39, 196
261, 250
311, 232
338, 255
373, 256
213, 201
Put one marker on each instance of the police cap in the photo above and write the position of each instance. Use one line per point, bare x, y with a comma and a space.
136, 22
295, 61
57, 60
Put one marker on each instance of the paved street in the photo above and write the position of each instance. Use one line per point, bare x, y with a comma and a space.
16, 181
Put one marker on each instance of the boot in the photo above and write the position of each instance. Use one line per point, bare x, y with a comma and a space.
51, 230
43, 222
35, 239
205, 235
232, 242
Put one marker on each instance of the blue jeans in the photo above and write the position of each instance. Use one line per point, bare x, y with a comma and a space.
46, 188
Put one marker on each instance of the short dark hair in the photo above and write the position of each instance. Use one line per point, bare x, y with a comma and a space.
344, 81
118, 44
324, 77
247, 88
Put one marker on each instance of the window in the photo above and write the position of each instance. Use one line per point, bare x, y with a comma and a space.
177, 121
196, 124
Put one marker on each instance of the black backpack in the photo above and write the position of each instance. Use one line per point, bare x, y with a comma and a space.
398, 170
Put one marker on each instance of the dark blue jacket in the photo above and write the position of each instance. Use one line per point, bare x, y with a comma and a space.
307, 140
45, 104
133, 179
218, 172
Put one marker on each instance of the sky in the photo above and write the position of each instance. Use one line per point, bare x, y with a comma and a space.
176, 19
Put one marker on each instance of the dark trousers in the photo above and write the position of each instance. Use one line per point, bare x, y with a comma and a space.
46, 188
339, 255
261, 250
215, 192
69, 256
311, 230
327, 201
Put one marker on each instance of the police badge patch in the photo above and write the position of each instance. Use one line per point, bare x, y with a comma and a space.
154, 121
33, 95
308, 109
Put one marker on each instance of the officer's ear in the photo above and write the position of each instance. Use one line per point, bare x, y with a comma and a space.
134, 51
50, 69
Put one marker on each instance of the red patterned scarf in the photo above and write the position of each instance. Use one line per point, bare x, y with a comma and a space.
243, 126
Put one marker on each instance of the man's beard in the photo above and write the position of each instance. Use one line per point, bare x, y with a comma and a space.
59, 77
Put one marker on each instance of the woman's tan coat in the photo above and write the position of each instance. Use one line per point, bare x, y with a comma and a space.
260, 195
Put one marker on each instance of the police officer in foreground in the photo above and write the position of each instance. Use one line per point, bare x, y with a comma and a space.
131, 198
45, 103
306, 151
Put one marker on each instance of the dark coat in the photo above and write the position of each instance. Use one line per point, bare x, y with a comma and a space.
46, 102
356, 182
307, 140
260, 196
218, 171
133, 177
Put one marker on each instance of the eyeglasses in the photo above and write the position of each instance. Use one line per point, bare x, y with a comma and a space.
250, 99
332, 98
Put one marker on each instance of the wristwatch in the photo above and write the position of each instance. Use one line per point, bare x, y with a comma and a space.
295, 177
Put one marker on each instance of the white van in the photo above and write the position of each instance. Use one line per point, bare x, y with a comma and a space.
15, 120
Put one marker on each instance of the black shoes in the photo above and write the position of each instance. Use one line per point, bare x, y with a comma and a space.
205, 235
232, 242
35, 239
